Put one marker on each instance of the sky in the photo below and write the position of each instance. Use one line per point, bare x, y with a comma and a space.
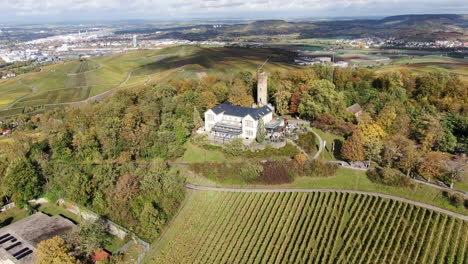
34, 11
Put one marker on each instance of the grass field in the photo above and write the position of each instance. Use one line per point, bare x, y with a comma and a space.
12, 215
197, 154
331, 141
295, 227
77, 80
53, 209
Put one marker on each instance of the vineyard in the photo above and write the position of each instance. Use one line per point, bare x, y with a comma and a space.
296, 227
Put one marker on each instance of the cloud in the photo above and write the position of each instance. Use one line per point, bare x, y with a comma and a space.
24, 10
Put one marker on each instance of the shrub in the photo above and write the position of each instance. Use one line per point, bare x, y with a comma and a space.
307, 142
232, 172
287, 151
276, 172
250, 171
319, 168
455, 199
388, 176
235, 147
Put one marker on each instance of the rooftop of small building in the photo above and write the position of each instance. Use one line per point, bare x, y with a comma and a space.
241, 111
355, 108
22, 237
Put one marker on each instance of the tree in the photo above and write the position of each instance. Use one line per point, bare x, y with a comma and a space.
261, 131
282, 98
386, 118
90, 236
54, 251
300, 159
432, 165
322, 99
208, 99
353, 148
240, 94
197, 121
151, 221
22, 181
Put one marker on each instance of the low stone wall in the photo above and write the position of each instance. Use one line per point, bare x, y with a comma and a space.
6, 207
86, 214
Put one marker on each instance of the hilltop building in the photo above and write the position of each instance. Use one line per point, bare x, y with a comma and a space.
227, 121
19, 240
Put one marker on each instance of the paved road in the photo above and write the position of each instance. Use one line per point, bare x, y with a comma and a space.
320, 144
386, 196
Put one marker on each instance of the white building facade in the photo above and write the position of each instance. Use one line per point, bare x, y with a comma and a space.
230, 121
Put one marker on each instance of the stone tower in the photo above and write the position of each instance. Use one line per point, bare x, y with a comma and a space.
262, 83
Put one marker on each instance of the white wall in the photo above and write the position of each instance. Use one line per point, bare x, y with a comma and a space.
210, 124
245, 128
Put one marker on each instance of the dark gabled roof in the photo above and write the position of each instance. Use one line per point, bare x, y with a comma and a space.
241, 111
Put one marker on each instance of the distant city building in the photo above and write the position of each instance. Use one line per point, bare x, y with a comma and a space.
135, 44
341, 64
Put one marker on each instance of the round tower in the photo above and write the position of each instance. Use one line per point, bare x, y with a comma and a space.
262, 83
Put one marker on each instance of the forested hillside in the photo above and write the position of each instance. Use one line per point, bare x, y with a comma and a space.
111, 156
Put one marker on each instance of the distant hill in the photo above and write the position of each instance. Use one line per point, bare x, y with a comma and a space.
409, 27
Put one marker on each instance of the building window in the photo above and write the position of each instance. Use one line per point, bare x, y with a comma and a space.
249, 133
209, 117
248, 123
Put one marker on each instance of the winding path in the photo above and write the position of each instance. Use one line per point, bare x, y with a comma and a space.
386, 196
320, 143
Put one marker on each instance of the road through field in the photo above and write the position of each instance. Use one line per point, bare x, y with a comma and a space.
427, 206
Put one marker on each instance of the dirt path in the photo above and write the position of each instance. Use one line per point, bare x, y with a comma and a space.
386, 196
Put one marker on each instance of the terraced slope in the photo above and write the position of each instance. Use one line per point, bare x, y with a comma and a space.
296, 227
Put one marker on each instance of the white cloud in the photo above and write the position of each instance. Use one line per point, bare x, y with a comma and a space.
76, 9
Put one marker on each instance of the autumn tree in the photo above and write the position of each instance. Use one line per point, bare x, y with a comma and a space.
208, 99
54, 251
432, 165
353, 147
282, 98
240, 94
300, 159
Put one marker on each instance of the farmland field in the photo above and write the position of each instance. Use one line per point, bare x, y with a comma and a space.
77, 80
320, 227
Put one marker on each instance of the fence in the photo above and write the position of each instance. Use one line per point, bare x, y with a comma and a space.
112, 228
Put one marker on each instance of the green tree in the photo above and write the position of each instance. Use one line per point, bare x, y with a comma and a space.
151, 221
90, 236
261, 131
22, 181
197, 121
322, 99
